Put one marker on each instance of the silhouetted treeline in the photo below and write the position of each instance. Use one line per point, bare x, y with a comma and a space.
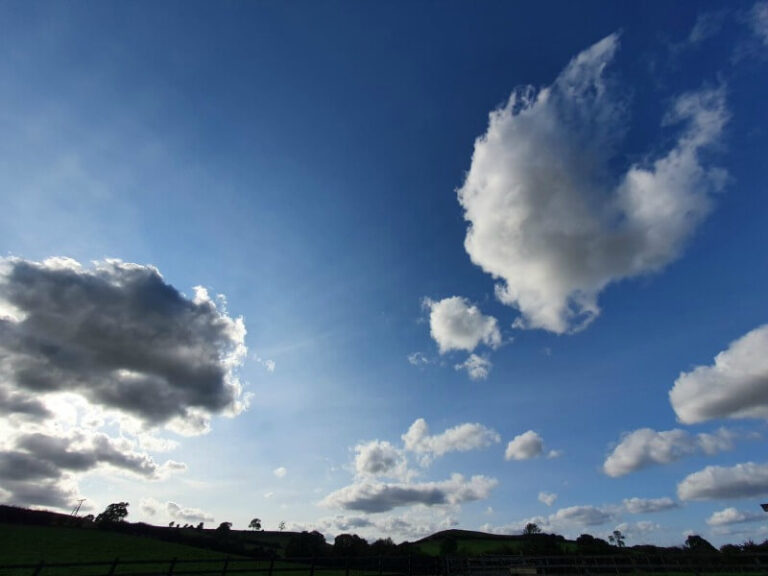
350, 546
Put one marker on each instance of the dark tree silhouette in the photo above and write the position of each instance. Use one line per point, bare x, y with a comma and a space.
305, 545
617, 538
255, 524
224, 527
696, 543
531, 528
115, 512
349, 545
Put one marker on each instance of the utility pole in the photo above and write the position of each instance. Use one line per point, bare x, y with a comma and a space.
77, 507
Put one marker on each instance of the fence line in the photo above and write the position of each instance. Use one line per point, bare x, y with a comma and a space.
370, 566
570, 565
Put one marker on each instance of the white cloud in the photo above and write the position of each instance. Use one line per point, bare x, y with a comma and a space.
633, 531
461, 438
269, 365
456, 324
708, 25
187, 515
717, 482
759, 21
526, 446
735, 386
729, 516
646, 447
545, 217
547, 498
280, 472
477, 367
381, 497
152, 507
648, 505
418, 359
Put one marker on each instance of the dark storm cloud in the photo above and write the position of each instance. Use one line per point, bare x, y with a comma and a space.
21, 404
21, 466
47, 493
119, 335
99, 449
39, 456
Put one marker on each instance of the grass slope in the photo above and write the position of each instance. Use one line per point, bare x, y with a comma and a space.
28, 544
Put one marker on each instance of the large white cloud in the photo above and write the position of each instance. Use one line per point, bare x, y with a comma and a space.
461, 438
717, 482
457, 324
547, 216
646, 447
735, 386
731, 515
85, 351
381, 497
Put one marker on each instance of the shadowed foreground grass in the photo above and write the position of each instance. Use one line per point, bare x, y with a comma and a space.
21, 544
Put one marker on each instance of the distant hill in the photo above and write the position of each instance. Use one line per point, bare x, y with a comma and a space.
469, 535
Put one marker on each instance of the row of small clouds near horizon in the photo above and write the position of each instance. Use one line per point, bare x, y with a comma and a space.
115, 346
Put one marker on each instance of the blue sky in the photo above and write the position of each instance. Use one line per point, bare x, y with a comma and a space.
428, 291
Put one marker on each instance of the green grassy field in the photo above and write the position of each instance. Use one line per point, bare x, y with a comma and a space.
22, 544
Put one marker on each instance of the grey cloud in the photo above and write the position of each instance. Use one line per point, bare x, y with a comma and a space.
40, 461
581, 515
40, 493
381, 497
378, 458
648, 505
99, 449
20, 466
119, 335
22, 404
